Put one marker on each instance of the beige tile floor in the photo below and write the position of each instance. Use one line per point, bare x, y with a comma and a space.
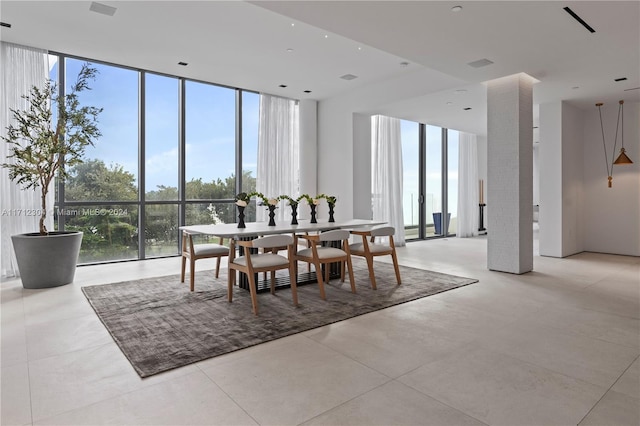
557, 346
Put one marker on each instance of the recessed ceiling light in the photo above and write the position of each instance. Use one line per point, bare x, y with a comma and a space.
460, 91
326, 36
283, 86
4, 24
307, 91
293, 24
456, 8
102, 9
404, 64
359, 48
449, 103
184, 64
289, 50
467, 108
349, 77
621, 79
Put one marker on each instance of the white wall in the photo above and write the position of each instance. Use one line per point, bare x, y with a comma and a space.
572, 180
362, 208
550, 151
612, 215
561, 180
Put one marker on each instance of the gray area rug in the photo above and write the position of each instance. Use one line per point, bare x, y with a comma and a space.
160, 325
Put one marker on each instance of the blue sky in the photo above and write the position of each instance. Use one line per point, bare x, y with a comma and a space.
210, 125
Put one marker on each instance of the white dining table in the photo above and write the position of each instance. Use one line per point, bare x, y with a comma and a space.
257, 229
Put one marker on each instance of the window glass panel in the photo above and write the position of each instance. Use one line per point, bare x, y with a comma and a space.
161, 137
111, 167
161, 229
210, 141
433, 184
410, 177
110, 231
452, 179
250, 124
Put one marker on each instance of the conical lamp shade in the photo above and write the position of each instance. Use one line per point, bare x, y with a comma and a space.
623, 158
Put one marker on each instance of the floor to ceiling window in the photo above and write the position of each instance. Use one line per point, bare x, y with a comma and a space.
169, 154
430, 179
452, 179
101, 194
409, 132
161, 171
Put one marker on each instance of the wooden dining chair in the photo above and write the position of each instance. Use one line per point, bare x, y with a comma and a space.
269, 261
370, 249
194, 252
322, 253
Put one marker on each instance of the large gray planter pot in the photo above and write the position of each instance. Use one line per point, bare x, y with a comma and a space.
49, 260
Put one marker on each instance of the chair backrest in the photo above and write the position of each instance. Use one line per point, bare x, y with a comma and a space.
273, 241
383, 231
335, 235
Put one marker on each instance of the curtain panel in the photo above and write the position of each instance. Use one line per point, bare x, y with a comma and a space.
22, 68
386, 170
468, 186
278, 154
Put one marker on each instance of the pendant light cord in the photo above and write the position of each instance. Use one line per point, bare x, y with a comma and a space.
604, 145
615, 141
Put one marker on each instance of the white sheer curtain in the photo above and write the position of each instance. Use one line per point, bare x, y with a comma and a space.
278, 153
468, 200
386, 170
22, 68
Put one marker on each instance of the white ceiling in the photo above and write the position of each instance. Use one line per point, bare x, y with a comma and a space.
244, 44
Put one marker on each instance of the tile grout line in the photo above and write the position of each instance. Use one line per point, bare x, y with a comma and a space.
225, 392
608, 390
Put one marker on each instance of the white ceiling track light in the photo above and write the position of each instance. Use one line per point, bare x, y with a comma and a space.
622, 157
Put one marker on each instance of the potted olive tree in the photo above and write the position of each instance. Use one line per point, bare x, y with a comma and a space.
42, 150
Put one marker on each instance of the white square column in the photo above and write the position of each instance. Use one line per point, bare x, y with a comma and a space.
510, 174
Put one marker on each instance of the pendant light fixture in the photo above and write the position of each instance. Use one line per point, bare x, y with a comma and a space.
622, 157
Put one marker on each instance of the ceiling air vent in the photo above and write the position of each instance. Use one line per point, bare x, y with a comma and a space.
480, 63
103, 9
4, 24
349, 77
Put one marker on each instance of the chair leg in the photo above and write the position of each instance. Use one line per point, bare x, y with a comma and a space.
254, 295
372, 275
342, 272
230, 283
294, 286
351, 280
192, 276
396, 267
326, 273
320, 282
218, 267
184, 264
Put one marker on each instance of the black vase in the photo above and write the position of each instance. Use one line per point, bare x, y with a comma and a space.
313, 213
294, 214
272, 215
241, 217
331, 206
